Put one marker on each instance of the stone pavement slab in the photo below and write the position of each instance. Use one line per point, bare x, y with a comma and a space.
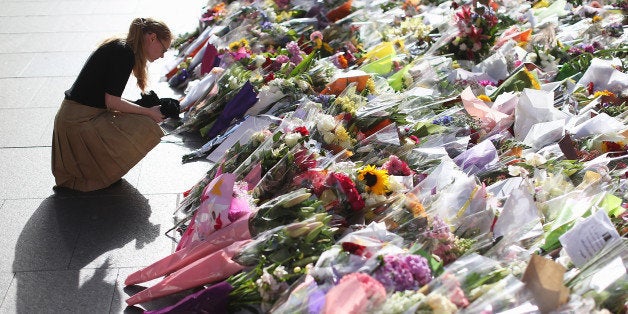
66, 251
70, 291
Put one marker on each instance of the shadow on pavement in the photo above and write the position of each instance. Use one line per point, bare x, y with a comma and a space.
68, 232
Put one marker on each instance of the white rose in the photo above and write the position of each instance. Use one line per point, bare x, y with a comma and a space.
325, 123
292, 139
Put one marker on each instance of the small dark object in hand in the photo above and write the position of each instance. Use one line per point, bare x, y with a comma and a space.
148, 100
169, 107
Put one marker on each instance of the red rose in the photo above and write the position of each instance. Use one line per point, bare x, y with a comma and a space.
302, 130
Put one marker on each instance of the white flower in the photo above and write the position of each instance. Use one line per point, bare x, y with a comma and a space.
535, 159
292, 139
233, 82
328, 137
280, 272
303, 85
440, 304
463, 47
477, 46
517, 171
371, 199
407, 79
325, 123
259, 60
395, 185
259, 136
268, 278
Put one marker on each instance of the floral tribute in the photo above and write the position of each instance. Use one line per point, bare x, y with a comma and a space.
401, 157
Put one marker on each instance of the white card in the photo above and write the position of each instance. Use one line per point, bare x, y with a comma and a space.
588, 237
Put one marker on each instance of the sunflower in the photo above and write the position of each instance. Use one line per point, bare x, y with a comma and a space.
376, 180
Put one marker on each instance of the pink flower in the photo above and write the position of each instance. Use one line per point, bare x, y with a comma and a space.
397, 167
355, 293
282, 59
317, 35
314, 179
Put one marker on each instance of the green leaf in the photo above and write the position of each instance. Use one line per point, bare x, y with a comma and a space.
575, 66
304, 65
551, 240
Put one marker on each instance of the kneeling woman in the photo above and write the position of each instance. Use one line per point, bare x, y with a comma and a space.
98, 136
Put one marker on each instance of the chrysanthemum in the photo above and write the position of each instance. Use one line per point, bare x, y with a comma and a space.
376, 180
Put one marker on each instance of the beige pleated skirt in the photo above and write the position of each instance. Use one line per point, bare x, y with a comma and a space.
93, 148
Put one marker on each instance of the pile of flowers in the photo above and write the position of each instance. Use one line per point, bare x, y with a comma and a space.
417, 156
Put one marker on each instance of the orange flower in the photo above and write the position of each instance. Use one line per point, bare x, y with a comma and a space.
340, 12
343, 62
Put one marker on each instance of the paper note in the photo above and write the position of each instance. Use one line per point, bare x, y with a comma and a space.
588, 237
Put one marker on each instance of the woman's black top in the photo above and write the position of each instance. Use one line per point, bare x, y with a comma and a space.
107, 70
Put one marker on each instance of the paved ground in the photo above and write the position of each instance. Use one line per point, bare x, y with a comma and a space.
70, 252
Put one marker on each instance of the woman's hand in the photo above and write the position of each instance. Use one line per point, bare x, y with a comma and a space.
122, 105
155, 113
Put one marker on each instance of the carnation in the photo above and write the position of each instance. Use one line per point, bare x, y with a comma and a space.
325, 123
348, 189
397, 167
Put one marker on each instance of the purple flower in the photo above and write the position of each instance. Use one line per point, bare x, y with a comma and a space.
402, 272
295, 52
293, 48
443, 120
266, 25
439, 230
281, 59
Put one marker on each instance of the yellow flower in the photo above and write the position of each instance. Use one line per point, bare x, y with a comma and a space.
341, 134
533, 80
376, 180
234, 46
347, 104
596, 18
399, 43
603, 93
484, 98
370, 85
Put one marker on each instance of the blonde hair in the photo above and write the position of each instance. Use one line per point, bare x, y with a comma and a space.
135, 39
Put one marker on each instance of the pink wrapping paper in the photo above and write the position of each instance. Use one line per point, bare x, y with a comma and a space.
490, 118
354, 294
215, 267
237, 231
215, 199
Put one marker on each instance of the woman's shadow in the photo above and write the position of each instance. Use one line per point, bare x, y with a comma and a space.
68, 257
